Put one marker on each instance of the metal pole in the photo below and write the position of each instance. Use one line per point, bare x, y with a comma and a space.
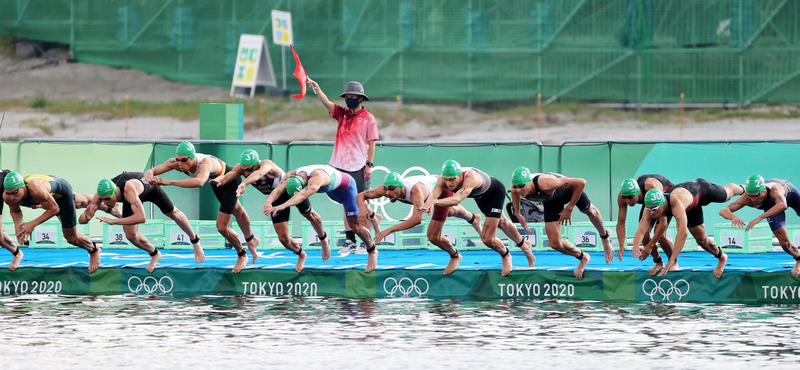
399, 117
469, 54
741, 79
125, 26
682, 116
126, 115
741, 62
180, 38
539, 98
72, 24
262, 118
639, 84
283, 64
539, 45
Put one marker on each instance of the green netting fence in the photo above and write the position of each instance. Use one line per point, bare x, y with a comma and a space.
735, 51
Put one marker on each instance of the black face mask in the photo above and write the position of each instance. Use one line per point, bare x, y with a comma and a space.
351, 103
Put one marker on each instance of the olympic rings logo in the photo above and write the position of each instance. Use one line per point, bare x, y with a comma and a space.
383, 201
151, 285
405, 286
665, 289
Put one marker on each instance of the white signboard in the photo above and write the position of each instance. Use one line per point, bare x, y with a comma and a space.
732, 241
282, 28
253, 64
389, 240
117, 237
179, 238
45, 237
589, 239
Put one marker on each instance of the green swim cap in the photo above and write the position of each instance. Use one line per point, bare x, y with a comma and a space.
106, 187
653, 198
521, 176
185, 148
13, 180
451, 168
295, 184
394, 179
630, 187
249, 158
754, 184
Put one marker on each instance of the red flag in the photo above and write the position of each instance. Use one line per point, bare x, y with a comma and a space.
301, 75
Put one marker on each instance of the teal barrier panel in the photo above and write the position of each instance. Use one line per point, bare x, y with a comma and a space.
603, 164
303, 153
82, 164
279, 155
8, 154
625, 161
591, 163
550, 158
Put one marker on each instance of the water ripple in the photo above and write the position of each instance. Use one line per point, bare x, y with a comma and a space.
344, 333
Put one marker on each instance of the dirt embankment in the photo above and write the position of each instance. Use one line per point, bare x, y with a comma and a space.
37, 77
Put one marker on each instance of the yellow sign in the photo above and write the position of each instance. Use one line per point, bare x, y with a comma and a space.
282, 28
253, 64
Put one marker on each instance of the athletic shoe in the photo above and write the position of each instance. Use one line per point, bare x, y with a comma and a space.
348, 248
360, 249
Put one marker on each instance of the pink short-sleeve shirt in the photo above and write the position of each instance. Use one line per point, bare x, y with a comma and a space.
353, 134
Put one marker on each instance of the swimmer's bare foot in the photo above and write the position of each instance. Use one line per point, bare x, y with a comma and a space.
252, 246
608, 249
675, 267
723, 258
453, 264
18, 258
241, 262
655, 269
578, 272
153, 261
326, 249
372, 261
476, 223
199, 254
94, 259
507, 266
301, 261
527, 250
795, 271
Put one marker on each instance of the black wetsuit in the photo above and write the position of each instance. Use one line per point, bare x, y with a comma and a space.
153, 194
62, 192
554, 203
490, 196
225, 194
703, 194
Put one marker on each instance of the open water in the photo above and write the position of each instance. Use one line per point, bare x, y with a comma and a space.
391, 333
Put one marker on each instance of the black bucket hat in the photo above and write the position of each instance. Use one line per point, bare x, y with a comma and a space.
355, 88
